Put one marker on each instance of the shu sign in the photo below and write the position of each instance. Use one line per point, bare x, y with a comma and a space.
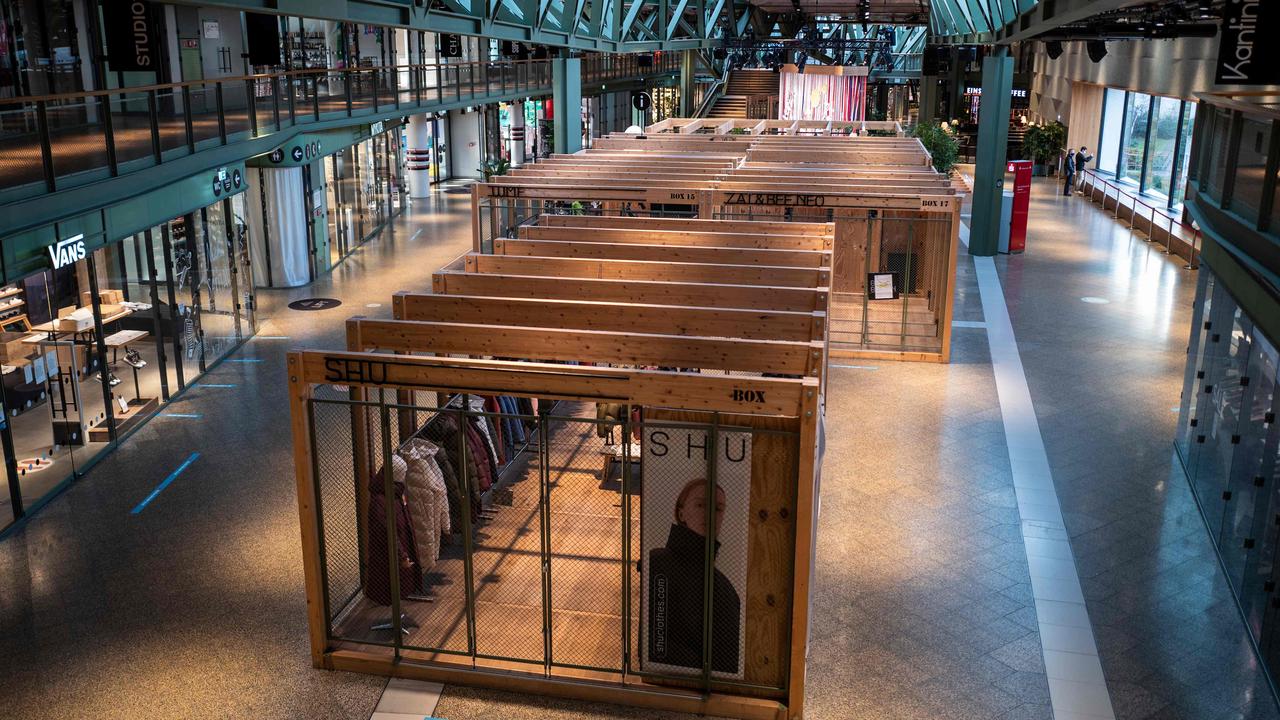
1246, 48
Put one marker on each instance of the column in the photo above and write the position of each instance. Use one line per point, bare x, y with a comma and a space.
517, 154
566, 96
955, 88
928, 98
993, 135
686, 84
418, 156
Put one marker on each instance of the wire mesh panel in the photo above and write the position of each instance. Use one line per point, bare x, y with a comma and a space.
567, 536
584, 526
506, 552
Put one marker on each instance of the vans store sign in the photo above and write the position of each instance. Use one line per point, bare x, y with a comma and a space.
67, 251
1246, 46
132, 35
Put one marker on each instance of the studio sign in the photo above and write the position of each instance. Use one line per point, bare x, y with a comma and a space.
1244, 55
67, 251
131, 36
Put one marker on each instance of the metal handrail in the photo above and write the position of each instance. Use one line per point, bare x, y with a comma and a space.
1108, 185
63, 124
713, 92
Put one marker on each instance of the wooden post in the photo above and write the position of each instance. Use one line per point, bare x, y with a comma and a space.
299, 397
807, 490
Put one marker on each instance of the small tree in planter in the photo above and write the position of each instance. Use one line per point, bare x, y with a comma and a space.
1043, 144
942, 145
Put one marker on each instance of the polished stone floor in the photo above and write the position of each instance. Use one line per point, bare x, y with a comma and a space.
194, 607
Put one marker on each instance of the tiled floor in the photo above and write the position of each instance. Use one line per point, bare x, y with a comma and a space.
194, 607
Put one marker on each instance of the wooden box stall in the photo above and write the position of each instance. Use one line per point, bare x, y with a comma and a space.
585, 569
896, 219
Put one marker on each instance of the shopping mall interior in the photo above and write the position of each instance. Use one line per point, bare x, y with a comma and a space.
750, 359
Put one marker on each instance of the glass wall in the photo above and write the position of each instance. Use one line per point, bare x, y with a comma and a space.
1161, 145
1109, 143
1229, 444
1232, 149
1145, 141
1137, 112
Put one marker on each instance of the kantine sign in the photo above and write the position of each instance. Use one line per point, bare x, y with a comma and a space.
1246, 44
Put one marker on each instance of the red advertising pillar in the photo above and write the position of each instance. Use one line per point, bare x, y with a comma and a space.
1021, 171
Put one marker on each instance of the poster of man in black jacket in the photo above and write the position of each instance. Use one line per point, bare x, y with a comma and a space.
678, 501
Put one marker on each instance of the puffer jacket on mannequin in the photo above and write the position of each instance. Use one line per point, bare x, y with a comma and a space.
428, 498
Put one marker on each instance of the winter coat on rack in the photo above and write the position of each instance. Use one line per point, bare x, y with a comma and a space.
485, 428
428, 498
443, 430
377, 586
514, 428
484, 471
491, 405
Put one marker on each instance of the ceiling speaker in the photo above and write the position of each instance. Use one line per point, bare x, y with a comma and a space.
1097, 49
1054, 49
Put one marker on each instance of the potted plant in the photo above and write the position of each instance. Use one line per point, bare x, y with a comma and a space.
494, 167
941, 143
738, 131
1043, 144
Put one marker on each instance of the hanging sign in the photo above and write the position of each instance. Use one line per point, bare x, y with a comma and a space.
450, 45
515, 49
132, 36
1245, 54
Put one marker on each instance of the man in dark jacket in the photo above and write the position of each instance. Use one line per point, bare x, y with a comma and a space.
1081, 159
676, 585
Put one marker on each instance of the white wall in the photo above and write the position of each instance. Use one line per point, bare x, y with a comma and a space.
465, 144
1176, 68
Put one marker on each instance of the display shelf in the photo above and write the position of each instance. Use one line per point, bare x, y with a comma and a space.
9, 292
139, 408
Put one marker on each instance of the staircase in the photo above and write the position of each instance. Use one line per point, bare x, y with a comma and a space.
741, 85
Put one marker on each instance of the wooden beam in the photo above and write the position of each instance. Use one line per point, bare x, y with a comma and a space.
648, 270
624, 348
756, 297
658, 252
683, 238
765, 396
621, 317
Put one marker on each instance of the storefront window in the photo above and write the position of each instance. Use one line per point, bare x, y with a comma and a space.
53, 379
1136, 114
1112, 120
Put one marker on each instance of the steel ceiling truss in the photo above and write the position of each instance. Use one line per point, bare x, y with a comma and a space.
600, 25
976, 22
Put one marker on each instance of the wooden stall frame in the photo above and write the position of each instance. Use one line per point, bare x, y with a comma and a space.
796, 398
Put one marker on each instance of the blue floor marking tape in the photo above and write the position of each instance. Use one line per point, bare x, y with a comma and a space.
165, 483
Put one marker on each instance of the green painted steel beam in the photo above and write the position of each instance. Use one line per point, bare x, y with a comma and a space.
993, 136
1001, 22
482, 18
566, 94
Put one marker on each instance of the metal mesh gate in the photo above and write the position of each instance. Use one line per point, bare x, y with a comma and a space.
547, 562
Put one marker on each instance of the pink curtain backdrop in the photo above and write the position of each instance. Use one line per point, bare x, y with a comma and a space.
841, 98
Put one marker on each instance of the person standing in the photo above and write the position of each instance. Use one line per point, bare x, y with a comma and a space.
1069, 169
1082, 159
